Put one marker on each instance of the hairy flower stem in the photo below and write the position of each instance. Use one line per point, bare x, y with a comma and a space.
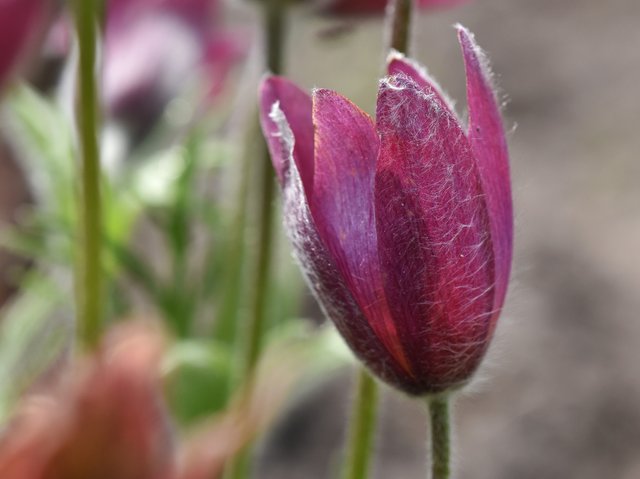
89, 300
440, 436
399, 14
362, 433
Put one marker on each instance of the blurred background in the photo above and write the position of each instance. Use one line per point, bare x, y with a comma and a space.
559, 392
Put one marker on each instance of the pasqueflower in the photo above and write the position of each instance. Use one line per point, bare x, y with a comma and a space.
404, 226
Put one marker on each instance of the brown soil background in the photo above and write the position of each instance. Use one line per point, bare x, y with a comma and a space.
559, 396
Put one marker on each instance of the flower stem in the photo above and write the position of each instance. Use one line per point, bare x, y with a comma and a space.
251, 344
440, 436
89, 273
274, 25
399, 14
362, 431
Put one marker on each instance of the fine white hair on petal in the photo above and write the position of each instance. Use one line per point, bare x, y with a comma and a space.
485, 66
396, 55
287, 140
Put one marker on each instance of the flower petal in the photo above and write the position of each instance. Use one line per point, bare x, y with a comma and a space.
321, 274
280, 94
397, 64
433, 239
21, 23
487, 137
361, 7
341, 203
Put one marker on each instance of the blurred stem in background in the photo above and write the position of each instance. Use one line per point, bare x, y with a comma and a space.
89, 300
179, 303
440, 436
250, 338
362, 434
274, 13
399, 14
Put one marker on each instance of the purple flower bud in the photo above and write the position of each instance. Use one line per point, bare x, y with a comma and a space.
21, 22
358, 7
403, 227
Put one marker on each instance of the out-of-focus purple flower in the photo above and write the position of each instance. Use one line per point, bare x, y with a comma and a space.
21, 22
359, 7
154, 47
403, 226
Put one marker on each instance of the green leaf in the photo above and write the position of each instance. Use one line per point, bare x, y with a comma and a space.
197, 373
31, 339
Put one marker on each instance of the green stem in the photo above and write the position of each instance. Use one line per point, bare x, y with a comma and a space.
181, 299
440, 436
274, 25
89, 274
400, 14
363, 421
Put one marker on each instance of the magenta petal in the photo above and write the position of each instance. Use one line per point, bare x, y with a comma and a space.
20, 24
487, 137
341, 203
352, 7
322, 276
277, 94
433, 239
398, 64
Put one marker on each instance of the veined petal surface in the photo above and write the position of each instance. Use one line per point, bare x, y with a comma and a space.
341, 203
321, 274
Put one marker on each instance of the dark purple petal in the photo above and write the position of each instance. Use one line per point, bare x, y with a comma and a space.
320, 272
341, 203
487, 137
433, 236
398, 64
21, 22
278, 94
351, 7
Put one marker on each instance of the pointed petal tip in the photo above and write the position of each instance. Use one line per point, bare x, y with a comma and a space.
465, 36
324, 98
323, 93
266, 77
394, 55
269, 81
472, 51
461, 29
405, 73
